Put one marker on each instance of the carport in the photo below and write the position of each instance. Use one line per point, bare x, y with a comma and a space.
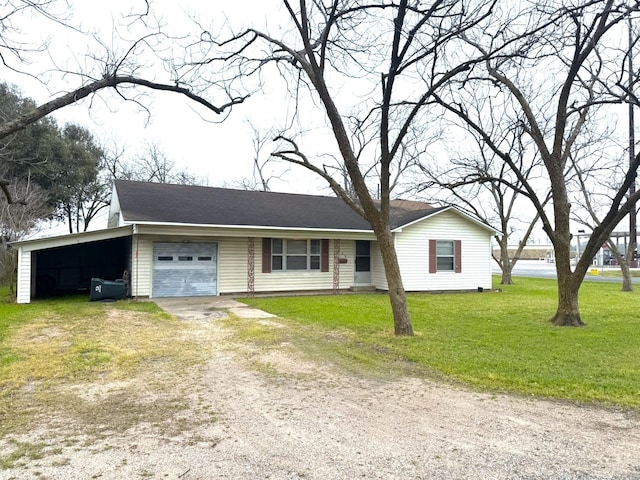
67, 263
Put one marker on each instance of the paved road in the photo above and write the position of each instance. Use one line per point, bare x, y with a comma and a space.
535, 268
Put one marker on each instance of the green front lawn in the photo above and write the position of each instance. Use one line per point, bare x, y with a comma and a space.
616, 272
499, 341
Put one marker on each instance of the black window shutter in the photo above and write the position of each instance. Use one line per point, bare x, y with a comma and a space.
324, 255
433, 262
266, 255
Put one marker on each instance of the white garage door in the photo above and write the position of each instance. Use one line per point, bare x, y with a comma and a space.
184, 269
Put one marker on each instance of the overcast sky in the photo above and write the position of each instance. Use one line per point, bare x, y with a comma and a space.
187, 133
221, 153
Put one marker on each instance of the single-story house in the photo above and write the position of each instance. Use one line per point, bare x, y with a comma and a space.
179, 240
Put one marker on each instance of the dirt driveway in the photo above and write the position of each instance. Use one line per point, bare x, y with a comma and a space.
311, 421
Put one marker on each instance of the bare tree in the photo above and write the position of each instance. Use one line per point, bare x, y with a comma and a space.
487, 194
479, 181
18, 220
260, 175
264, 169
371, 71
115, 162
104, 69
596, 183
152, 165
560, 70
148, 165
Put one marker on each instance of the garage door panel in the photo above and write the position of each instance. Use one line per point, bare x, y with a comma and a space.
184, 269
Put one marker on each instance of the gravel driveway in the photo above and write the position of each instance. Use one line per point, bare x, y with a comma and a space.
310, 421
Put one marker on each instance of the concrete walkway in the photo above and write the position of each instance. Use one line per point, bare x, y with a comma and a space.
208, 308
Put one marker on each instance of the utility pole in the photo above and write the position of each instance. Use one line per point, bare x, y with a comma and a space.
633, 240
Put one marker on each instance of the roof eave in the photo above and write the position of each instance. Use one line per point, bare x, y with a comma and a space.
81, 237
247, 227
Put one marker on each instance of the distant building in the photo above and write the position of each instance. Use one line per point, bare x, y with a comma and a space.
530, 252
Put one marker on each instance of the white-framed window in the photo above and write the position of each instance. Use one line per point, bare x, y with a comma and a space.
445, 255
290, 255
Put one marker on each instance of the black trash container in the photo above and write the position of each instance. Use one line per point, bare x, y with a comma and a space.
106, 289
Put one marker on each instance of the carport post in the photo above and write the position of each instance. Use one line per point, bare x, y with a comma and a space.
24, 280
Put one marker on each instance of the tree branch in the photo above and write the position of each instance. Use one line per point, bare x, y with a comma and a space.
111, 81
295, 156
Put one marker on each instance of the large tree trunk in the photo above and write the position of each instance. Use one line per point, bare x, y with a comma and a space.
627, 284
568, 313
505, 262
506, 275
397, 296
625, 263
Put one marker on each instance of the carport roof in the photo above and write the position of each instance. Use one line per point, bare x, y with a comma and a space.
73, 238
142, 202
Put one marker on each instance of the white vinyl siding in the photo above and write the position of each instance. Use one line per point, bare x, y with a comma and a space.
378, 276
115, 215
347, 270
293, 280
233, 266
294, 254
24, 276
412, 247
237, 232
141, 266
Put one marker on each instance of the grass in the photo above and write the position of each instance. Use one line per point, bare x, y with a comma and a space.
76, 340
101, 365
616, 272
493, 341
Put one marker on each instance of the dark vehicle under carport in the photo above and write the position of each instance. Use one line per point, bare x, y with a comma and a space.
70, 268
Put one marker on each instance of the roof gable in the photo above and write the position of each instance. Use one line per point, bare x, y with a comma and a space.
448, 208
142, 202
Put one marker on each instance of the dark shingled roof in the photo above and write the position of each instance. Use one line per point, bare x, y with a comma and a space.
166, 203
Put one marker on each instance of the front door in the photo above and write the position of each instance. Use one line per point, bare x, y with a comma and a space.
363, 263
